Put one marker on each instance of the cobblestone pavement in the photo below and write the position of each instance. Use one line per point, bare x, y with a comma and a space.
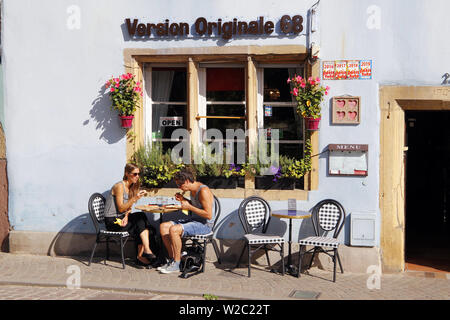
8, 292
219, 280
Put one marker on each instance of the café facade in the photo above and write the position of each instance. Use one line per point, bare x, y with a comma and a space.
224, 65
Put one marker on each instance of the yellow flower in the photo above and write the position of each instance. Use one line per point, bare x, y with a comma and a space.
308, 103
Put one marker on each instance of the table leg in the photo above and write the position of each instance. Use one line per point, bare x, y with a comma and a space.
290, 268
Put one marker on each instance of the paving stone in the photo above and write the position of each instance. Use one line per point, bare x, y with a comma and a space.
217, 280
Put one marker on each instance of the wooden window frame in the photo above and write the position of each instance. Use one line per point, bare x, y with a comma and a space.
250, 56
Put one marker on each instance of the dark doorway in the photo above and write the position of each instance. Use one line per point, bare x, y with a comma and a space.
427, 190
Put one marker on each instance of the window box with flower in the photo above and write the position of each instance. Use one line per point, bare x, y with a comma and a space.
125, 94
219, 176
309, 95
157, 166
288, 174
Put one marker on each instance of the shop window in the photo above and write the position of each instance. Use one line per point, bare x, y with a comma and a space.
277, 109
223, 103
166, 107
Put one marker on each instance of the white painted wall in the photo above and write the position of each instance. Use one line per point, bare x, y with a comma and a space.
64, 143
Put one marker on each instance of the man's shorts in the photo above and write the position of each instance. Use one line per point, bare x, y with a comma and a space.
192, 228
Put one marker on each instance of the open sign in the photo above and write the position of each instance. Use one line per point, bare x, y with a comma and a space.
171, 121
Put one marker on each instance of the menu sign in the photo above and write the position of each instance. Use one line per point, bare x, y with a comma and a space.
347, 70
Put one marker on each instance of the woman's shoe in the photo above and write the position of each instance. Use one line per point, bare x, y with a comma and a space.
149, 256
142, 264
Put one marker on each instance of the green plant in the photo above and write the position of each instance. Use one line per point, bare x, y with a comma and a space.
309, 95
292, 168
125, 94
157, 165
210, 297
286, 167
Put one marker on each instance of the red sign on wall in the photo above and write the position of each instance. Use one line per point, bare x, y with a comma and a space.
347, 70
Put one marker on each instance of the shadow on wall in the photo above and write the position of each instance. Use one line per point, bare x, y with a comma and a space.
107, 119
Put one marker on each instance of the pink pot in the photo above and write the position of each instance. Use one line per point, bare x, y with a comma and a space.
312, 124
127, 121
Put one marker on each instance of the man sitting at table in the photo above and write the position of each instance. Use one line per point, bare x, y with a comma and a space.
200, 207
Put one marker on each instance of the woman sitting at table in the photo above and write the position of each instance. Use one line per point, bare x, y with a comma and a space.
124, 194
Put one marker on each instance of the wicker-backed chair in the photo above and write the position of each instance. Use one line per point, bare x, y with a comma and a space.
327, 216
202, 240
96, 206
254, 213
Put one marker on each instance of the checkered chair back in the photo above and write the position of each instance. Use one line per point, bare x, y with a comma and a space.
217, 211
254, 213
96, 208
328, 215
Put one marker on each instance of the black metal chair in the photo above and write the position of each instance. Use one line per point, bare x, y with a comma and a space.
254, 213
327, 216
96, 208
202, 240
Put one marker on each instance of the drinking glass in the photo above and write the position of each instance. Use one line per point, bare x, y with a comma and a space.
158, 200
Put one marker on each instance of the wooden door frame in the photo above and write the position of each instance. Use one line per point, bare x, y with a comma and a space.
394, 101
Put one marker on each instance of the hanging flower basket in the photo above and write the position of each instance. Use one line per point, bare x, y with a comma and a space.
312, 124
125, 94
309, 95
127, 121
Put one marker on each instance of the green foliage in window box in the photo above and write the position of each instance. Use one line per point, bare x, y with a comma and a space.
157, 165
287, 167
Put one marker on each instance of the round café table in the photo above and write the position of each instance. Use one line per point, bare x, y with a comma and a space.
291, 215
158, 209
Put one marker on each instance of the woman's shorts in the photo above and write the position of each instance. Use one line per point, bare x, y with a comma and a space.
192, 228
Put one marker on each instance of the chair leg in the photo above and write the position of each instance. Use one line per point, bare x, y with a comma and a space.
282, 259
107, 249
267, 255
249, 259
339, 260
216, 250
300, 255
312, 258
240, 257
204, 256
334, 267
121, 252
93, 250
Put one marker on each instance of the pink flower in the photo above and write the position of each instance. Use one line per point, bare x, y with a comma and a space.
295, 92
299, 79
112, 90
289, 80
303, 85
312, 82
310, 79
327, 88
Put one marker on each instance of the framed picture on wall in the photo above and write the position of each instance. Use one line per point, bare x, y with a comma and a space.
346, 110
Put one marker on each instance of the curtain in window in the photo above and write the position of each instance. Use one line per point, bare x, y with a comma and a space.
161, 88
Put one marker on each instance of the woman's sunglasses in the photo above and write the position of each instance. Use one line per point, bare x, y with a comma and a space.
135, 174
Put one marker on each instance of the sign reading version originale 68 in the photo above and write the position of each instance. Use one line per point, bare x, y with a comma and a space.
203, 27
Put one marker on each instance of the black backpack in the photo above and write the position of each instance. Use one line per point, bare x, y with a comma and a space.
192, 262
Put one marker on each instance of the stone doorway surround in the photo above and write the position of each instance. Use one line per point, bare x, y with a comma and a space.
394, 101
4, 222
